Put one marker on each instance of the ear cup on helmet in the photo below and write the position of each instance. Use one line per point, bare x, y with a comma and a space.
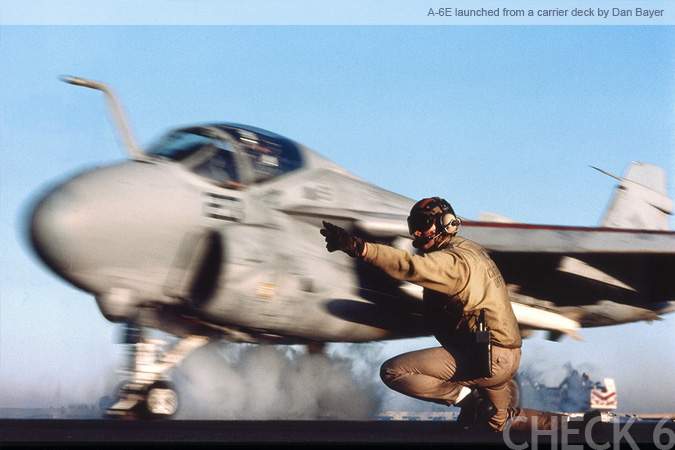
446, 220
449, 223
433, 210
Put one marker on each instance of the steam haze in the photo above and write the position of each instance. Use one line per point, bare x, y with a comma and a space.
264, 382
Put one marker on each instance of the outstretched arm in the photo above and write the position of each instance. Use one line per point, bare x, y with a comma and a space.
439, 271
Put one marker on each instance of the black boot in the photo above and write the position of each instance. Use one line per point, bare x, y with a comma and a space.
468, 415
476, 411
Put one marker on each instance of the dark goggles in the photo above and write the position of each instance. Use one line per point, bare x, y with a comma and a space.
424, 214
420, 222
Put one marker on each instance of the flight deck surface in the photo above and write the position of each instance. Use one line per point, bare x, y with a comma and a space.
22, 432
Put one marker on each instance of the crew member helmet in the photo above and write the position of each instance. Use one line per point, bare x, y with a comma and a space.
430, 211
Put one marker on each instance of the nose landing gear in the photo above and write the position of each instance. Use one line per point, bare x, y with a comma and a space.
149, 393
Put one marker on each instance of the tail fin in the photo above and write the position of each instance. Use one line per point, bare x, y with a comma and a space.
641, 200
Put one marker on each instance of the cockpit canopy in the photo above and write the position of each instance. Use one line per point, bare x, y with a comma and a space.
229, 155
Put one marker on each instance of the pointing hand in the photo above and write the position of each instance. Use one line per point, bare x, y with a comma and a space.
339, 239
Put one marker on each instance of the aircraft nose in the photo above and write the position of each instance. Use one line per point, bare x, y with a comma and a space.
114, 226
52, 224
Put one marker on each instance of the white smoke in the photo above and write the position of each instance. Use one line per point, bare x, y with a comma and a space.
560, 389
259, 382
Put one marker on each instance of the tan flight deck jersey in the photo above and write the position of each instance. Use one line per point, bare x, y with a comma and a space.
459, 280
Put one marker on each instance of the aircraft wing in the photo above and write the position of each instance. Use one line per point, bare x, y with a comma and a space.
508, 237
512, 237
564, 278
522, 238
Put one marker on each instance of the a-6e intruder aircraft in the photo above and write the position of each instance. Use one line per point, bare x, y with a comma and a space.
213, 233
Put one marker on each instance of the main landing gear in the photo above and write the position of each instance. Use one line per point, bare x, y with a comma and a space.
149, 393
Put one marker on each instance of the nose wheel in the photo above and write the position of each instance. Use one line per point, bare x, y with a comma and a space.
156, 401
161, 400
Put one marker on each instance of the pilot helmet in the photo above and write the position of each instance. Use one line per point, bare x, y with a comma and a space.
433, 210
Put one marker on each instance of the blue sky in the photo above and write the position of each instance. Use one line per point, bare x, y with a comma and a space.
505, 119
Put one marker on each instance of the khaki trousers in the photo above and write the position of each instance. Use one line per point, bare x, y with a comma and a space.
438, 374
